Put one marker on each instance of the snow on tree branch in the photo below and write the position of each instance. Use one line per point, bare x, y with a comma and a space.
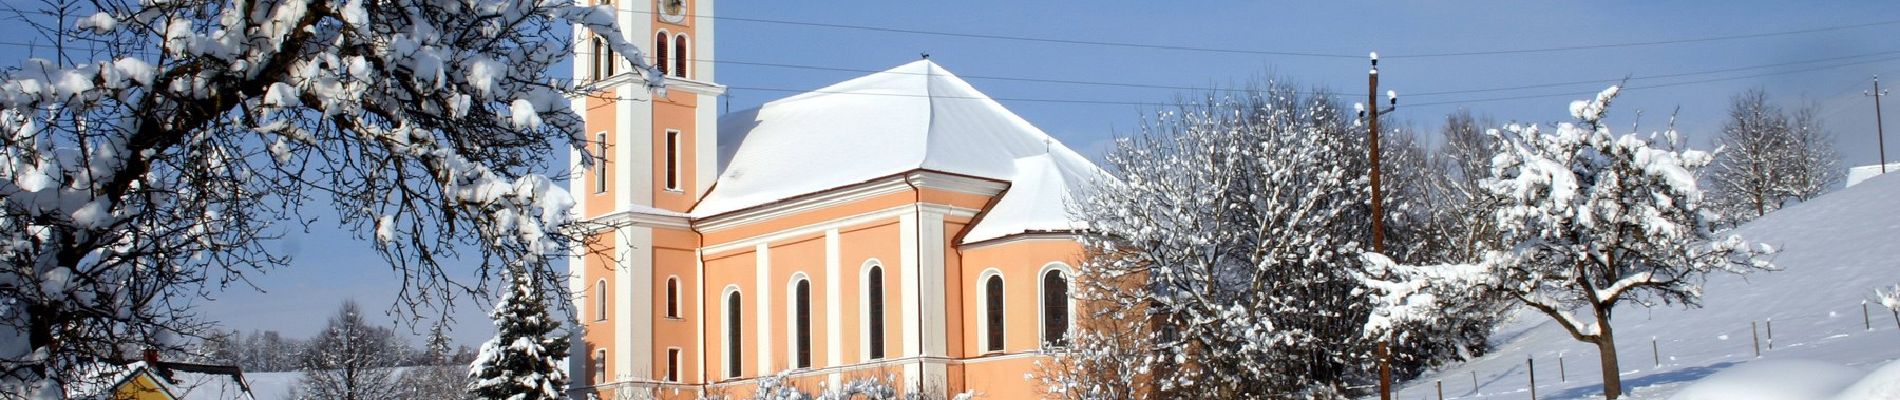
1889, 298
154, 172
1403, 294
1591, 219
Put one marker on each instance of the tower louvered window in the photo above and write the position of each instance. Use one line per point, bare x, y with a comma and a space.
659, 53
679, 55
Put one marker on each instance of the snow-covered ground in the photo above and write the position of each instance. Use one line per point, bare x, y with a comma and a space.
1835, 251
272, 385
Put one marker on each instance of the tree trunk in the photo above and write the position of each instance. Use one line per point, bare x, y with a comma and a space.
1606, 350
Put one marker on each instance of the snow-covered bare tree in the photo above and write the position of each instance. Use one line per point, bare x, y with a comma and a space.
1770, 158
269, 351
1223, 260
151, 166
1462, 163
1591, 220
526, 360
353, 360
1243, 216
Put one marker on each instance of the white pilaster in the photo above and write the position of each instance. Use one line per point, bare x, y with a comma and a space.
908, 265
834, 304
699, 307
633, 299
633, 147
930, 276
763, 323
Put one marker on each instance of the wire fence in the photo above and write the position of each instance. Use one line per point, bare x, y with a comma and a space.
1691, 354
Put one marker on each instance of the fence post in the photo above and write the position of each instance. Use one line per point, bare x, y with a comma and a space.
1441, 390
1755, 333
1654, 352
1771, 333
1533, 368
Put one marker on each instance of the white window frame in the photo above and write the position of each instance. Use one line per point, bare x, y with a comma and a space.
600, 300
600, 162
732, 370
680, 61
1068, 280
674, 355
983, 311
675, 141
662, 53
677, 308
597, 366
864, 308
791, 319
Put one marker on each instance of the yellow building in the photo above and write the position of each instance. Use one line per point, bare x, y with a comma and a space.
899, 225
159, 380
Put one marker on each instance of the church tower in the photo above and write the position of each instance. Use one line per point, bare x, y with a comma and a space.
636, 282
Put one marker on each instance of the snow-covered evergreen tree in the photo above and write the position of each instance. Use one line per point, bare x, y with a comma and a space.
156, 162
526, 358
1591, 220
433, 376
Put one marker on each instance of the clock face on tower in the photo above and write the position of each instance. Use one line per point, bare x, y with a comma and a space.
672, 10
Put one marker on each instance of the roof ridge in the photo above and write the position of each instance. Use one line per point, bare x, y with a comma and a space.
930, 112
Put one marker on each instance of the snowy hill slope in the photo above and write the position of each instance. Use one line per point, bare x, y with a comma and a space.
1835, 250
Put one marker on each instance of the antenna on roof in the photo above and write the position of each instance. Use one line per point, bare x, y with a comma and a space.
925, 55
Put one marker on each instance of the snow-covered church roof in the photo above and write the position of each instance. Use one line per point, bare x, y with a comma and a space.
917, 116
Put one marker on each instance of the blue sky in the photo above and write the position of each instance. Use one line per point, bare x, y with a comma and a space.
1830, 67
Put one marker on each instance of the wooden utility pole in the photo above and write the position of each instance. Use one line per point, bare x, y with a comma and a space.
1378, 210
1880, 126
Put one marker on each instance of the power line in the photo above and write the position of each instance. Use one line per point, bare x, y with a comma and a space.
1214, 89
1656, 86
1152, 46
1165, 104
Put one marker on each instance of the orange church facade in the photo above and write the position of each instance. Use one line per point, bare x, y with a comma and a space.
898, 226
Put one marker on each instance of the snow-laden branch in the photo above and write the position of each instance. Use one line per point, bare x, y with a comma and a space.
155, 173
1889, 298
1402, 294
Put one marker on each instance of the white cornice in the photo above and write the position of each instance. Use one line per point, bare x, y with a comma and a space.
1065, 236
695, 86
838, 223
875, 187
624, 218
771, 211
672, 83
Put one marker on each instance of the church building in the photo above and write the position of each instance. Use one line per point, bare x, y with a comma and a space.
899, 226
